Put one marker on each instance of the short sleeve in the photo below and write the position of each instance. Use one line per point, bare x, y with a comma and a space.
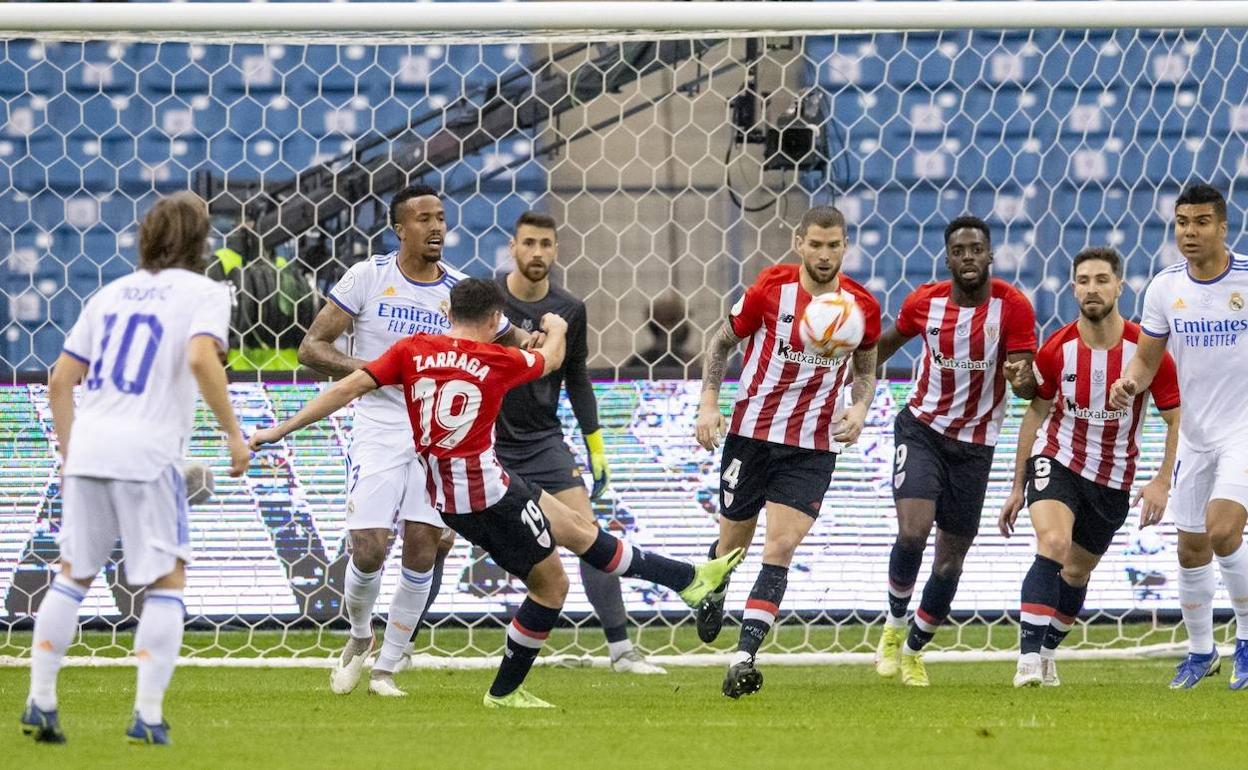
387, 369
80, 342
746, 316
523, 366
1165, 387
1048, 369
870, 316
211, 317
504, 326
1020, 324
910, 317
350, 293
1155, 322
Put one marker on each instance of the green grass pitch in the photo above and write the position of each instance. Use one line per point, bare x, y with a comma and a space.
1111, 714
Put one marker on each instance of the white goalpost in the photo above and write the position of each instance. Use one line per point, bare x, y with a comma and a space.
676, 144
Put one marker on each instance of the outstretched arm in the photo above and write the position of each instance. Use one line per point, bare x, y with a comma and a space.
890, 342
710, 424
335, 397
204, 358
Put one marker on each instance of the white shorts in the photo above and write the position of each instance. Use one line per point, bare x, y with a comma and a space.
385, 484
149, 516
1216, 474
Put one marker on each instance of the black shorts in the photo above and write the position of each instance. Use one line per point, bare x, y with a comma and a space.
753, 473
928, 465
546, 463
1100, 511
514, 531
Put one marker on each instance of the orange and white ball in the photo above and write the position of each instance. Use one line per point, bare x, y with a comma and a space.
832, 325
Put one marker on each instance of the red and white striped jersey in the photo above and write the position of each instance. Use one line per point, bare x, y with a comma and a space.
960, 388
787, 395
454, 390
1083, 431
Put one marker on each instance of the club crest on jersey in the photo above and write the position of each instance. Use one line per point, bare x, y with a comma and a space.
1098, 377
1237, 301
964, 329
445, 307
527, 324
785, 350
992, 331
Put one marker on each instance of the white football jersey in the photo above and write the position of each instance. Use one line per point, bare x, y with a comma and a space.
137, 404
1206, 326
388, 306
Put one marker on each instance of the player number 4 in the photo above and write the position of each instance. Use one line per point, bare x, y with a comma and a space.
732, 474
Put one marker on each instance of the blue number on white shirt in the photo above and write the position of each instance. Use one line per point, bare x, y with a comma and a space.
118, 374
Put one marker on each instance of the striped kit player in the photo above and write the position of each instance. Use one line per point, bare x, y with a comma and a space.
453, 386
1077, 457
978, 333
788, 423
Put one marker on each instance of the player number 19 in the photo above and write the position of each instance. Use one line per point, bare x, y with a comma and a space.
455, 406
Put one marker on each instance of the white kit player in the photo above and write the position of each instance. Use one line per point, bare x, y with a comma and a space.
140, 348
382, 300
1198, 310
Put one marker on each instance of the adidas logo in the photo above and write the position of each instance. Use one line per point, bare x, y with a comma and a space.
389, 292
1179, 304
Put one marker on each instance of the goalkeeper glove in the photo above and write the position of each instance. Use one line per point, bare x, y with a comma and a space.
597, 463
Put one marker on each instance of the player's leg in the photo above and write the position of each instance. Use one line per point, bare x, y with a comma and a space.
1099, 512
1072, 590
439, 566
914, 525
89, 531
1194, 475
604, 593
518, 537
957, 477
614, 556
411, 596
786, 528
1053, 521
155, 538
742, 492
547, 586
1225, 518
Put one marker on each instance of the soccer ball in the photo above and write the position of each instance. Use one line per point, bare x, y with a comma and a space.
832, 325
200, 484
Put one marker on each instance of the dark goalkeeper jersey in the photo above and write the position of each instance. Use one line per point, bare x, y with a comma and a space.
530, 411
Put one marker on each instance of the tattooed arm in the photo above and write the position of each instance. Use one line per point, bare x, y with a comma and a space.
861, 395
710, 424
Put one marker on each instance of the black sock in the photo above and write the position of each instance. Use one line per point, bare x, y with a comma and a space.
903, 569
1069, 602
933, 609
526, 634
762, 608
615, 557
1041, 589
434, 587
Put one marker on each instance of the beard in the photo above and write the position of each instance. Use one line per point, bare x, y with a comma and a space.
970, 286
1096, 313
535, 271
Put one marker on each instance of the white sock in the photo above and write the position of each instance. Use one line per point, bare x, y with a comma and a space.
1048, 653
360, 594
740, 656
616, 649
1235, 576
156, 645
892, 621
405, 609
1196, 588
55, 624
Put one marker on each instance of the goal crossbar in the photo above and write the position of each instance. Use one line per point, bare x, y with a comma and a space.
396, 19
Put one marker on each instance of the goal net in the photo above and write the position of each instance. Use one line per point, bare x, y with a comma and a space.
677, 161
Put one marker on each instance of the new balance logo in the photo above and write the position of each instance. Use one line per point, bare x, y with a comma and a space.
934, 331
1071, 377
786, 318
